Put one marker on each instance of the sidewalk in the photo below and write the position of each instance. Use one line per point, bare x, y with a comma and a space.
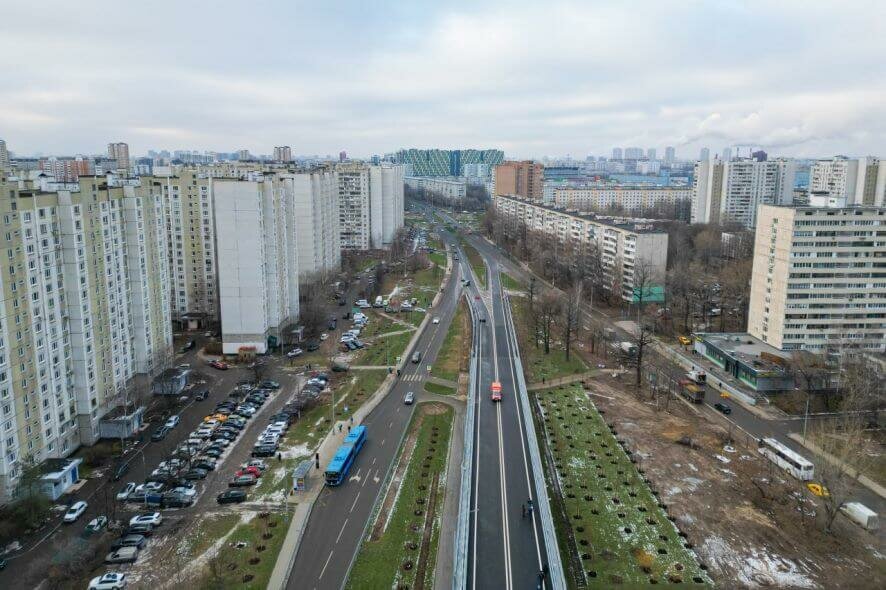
862, 479
305, 500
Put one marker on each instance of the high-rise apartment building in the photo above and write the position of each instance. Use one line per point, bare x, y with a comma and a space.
283, 154
436, 162
818, 281
119, 152
650, 154
85, 312
732, 191
191, 248
633, 153
243, 155
67, 169
522, 179
315, 199
4, 156
727, 154
860, 181
704, 155
617, 153
370, 200
670, 154
257, 263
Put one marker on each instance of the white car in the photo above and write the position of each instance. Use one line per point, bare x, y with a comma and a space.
151, 518
126, 491
75, 511
149, 488
295, 352
173, 421
436, 320
108, 581
324, 336
185, 492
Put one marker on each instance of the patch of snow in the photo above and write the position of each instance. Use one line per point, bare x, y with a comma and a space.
297, 451
673, 491
722, 459
729, 449
728, 472
692, 467
692, 483
755, 568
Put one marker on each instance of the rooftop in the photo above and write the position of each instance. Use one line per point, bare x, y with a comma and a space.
747, 349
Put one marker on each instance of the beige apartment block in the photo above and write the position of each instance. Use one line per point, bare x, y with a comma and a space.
819, 278
523, 179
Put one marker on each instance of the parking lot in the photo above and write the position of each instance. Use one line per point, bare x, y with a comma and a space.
44, 551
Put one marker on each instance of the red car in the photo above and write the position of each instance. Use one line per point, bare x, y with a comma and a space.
219, 365
251, 470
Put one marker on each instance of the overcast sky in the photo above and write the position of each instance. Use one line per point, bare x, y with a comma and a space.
803, 78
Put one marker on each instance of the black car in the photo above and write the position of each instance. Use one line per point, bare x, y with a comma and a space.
144, 529
196, 474
264, 451
223, 434
312, 346
160, 434
130, 541
189, 345
201, 395
234, 425
231, 497
204, 464
726, 410
214, 452
332, 324
269, 384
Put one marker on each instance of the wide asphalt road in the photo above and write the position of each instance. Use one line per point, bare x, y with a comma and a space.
339, 518
506, 548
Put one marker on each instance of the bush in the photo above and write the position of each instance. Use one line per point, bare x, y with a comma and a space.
26, 513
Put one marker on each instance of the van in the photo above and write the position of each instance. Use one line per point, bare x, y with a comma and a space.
378, 302
416, 357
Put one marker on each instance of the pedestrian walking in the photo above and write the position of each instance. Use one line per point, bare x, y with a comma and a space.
349, 430
339, 427
279, 456
352, 420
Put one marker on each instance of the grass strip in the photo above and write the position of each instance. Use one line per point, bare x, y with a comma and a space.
391, 561
439, 388
623, 533
537, 365
456, 346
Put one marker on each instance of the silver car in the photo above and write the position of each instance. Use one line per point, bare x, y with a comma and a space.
410, 398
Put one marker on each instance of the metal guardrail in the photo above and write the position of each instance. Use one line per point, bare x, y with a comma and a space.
555, 565
462, 531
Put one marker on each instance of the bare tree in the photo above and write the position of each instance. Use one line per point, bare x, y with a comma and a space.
645, 279
548, 311
571, 313
843, 440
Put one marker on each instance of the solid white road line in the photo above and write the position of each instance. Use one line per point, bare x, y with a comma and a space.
357, 498
477, 456
506, 532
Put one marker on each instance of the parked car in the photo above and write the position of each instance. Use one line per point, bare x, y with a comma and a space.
214, 451
313, 345
253, 471
206, 464
201, 395
75, 511
264, 451
221, 366
96, 524
172, 421
151, 518
295, 352
723, 408
269, 384
122, 555
684, 340
130, 541
126, 491
257, 463
410, 398
108, 581
143, 529
231, 497
242, 481
160, 433
196, 473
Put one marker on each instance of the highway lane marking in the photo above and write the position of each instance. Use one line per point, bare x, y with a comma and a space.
390, 424
355, 503
506, 532
383, 441
337, 539
374, 459
327, 562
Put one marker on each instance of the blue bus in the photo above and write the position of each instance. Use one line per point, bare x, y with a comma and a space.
338, 468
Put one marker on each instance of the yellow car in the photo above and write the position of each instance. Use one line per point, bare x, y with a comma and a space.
818, 490
684, 340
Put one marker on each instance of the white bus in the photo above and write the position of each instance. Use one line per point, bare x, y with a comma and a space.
786, 459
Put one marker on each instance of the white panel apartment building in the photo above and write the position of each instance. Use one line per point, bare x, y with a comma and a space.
627, 197
449, 190
315, 197
370, 202
258, 262
622, 244
819, 278
85, 309
732, 191
860, 181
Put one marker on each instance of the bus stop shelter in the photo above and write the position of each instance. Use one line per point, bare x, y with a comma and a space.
300, 476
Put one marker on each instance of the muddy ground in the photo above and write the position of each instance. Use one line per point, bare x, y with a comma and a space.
768, 534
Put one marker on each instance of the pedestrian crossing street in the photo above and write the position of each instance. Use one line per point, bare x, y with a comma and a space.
414, 378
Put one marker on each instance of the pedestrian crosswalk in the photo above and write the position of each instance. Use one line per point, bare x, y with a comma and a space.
415, 377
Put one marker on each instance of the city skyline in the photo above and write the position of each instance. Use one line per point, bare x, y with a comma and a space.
375, 79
